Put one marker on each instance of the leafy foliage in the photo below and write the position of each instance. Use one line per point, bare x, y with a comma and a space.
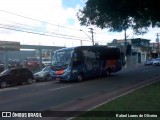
118, 15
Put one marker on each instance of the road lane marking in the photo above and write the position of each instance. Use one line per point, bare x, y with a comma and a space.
40, 84
7, 89
145, 70
60, 88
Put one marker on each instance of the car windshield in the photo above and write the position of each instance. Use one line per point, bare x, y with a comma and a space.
46, 69
62, 58
5, 72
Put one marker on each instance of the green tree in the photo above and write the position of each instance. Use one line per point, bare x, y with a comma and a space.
119, 15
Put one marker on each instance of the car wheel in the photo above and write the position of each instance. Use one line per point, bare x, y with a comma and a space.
48, 78
80, 77
3, 84
29, 81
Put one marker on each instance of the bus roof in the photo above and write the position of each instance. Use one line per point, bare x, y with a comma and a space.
96, 46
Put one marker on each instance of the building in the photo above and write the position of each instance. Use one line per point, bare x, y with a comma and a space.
155, 50
134, 50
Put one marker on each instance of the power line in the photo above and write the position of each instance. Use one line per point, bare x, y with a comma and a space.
39, 28
38, 20
42, 30
13, 28
42, 21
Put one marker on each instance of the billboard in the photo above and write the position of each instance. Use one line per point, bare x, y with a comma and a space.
9, 45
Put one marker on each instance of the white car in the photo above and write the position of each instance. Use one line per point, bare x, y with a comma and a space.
43, 75
156, 62
149, 62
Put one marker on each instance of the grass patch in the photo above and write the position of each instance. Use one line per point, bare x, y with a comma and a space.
145, 99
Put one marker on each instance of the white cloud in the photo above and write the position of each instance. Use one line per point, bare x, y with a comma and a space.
50, 11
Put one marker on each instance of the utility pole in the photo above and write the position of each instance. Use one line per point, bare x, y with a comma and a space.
125, 40
92, 35
157, 40
91, 31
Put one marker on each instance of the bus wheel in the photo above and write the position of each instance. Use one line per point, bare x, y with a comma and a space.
48, 78
79, 77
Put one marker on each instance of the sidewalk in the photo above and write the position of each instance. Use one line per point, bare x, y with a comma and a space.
132, 65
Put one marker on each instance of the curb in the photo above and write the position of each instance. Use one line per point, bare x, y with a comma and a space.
132, 66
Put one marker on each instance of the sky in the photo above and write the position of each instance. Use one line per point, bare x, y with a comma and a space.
53, 23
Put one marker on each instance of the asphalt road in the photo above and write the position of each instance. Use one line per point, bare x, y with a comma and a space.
44, 96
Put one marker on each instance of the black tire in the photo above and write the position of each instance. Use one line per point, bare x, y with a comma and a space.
29, 81
80, 77
48, 78
3, 84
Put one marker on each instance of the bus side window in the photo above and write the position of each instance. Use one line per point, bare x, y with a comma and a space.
77, 59
74, 57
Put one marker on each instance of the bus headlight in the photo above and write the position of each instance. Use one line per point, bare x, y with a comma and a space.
67, 71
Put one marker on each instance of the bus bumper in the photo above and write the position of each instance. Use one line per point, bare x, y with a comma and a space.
65, 77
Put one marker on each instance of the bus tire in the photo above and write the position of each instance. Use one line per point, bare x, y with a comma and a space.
80, 77
48, 78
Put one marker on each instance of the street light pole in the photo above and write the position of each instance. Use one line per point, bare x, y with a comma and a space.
125, 40
92, 35
88, 35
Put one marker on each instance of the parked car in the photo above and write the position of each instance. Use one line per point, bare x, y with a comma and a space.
43, 75
46, 61
15, 75
14, 63
31, 63
156, 62
149, 62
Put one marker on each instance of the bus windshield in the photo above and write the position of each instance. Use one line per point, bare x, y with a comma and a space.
62, 58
